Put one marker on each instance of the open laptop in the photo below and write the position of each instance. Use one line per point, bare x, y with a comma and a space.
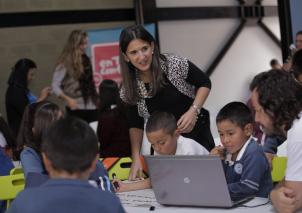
190, 181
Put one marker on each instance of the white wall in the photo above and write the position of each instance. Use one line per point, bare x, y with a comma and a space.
201, 40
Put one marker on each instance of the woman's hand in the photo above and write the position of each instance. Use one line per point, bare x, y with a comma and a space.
136, 170
187, 121
44, 94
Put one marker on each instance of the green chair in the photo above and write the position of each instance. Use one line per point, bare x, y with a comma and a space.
16, 171
279, 168
10, 186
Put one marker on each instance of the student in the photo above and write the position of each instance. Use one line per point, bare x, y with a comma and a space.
246, 168
36, 120
113, 129
18, 95
276, 98
70, 154
165, 139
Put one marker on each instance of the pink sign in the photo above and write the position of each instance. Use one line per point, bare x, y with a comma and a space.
105, 62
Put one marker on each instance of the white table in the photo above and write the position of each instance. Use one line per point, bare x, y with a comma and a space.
140, 201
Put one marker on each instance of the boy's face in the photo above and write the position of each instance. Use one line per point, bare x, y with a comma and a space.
163, 143
233, 136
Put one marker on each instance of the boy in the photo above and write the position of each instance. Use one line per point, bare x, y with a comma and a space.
70, 154
246, 169
162, 134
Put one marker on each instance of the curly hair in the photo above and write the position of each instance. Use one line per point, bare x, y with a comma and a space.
279, 95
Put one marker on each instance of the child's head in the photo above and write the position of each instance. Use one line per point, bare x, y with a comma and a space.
162, 134
108, 94
70, 146
235, 125
36, 119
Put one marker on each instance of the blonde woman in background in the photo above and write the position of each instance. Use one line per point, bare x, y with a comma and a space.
73, 78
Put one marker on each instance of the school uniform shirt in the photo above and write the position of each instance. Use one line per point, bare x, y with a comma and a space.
187, 146
65, 195
294, 151
249, 174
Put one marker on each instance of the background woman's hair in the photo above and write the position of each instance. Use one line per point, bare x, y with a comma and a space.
71, 56
18, 76
129, 71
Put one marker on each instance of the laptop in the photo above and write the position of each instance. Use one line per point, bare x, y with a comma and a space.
190, 181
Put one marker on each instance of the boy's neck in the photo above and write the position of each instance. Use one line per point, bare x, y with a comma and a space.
67, 175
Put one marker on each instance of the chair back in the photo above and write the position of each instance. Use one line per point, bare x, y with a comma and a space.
279, 168
10, 186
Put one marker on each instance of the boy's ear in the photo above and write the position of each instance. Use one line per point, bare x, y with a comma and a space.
93, 163
47, 163
248, 129
177, 132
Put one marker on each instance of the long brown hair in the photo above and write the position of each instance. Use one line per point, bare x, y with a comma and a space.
71, 56
129, 71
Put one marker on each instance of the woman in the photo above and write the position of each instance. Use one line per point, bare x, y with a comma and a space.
112, 128
18, 95
73, 80
157, 82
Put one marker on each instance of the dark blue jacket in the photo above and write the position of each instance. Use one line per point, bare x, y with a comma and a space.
250, 175
65, 196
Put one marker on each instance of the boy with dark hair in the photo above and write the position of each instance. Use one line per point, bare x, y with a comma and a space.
70, 154
165, 139
246, 168
276, 98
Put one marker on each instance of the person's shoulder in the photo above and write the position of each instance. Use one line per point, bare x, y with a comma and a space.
173, 58
28, 151
297, 126
254, 147
190, 146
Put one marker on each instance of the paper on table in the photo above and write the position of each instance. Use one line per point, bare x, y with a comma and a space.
138, 198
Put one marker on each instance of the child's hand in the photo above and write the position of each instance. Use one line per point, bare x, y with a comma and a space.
219, 151
118, 185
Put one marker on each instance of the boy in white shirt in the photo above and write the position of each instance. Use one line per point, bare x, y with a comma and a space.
165, 139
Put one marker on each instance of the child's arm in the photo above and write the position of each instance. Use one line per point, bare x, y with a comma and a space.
132, 186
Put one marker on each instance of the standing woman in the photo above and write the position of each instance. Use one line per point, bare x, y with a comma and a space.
73, 80
18, 95
157, 82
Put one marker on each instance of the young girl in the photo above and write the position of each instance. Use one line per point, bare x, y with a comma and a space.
113, 130
36, 120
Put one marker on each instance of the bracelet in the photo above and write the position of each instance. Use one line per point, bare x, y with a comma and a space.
197, 110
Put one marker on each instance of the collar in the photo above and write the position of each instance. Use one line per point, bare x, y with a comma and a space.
240, 154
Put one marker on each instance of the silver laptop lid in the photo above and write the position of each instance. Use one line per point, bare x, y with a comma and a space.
189, 180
